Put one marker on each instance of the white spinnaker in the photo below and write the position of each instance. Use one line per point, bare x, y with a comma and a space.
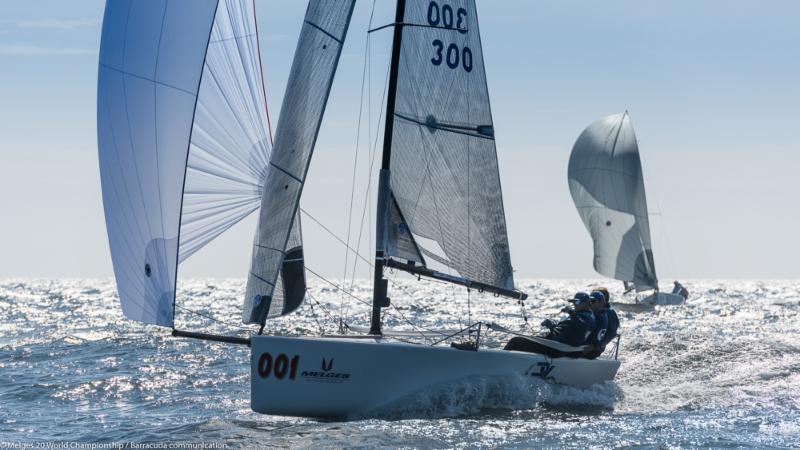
230, 145
161, 192
605, 180
310, 80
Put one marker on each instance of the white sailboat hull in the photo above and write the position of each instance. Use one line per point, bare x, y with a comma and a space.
345, 377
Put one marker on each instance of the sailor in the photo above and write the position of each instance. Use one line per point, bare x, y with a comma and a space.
574, 330
598, 307
680, 290
577, 327
612, 327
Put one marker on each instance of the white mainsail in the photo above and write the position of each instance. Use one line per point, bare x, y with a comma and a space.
446, 202
276, 246
605, 180
182, 137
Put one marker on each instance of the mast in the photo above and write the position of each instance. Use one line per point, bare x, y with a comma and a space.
379, 289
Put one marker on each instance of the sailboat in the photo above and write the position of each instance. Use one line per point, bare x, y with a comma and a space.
185, 153
607, 187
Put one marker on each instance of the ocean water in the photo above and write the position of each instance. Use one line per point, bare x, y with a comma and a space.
721, 371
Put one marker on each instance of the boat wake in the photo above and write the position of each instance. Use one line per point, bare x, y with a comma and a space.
482, 395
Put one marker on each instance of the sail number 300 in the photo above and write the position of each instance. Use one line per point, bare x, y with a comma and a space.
279, 367
452, 55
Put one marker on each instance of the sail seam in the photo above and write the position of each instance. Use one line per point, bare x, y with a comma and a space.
327, 33
286, 172
269, 248
231, 38
147, 79
258, 277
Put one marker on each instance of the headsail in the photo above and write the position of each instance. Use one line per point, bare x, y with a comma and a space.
182, 137
314, 66
605, 180
446, 203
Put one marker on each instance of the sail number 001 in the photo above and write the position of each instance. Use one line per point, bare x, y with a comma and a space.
280, 366
453, 56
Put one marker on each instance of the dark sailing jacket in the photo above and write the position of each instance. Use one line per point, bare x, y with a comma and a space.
612, 328
600, 328
573, 329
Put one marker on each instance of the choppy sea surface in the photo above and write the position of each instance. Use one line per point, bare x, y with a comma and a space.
721, 371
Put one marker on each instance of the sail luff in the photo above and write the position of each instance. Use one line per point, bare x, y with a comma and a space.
186, 168
314, 66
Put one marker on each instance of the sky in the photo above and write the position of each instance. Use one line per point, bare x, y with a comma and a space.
712, 87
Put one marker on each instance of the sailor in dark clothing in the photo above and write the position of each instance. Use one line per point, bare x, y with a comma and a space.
577, 327
612, 324
598, 305
574, 330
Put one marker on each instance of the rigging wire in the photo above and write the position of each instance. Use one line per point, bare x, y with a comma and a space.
329, 231
345, 292
369, 184
402, 317
355, 158
314, 314
369, 177
213, 319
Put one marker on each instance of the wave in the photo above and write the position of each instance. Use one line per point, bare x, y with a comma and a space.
491, 395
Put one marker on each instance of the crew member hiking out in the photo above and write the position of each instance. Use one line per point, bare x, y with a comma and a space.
598, 305
574, 330
612, 324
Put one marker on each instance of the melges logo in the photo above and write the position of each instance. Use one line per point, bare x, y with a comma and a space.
326, 374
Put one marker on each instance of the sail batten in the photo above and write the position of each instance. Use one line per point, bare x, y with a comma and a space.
607, 187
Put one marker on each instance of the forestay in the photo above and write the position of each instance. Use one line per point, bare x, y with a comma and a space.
182, 137
276, 246
446, 201
605, 180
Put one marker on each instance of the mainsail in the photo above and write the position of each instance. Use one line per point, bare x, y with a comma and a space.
276, 246
605, 180
445, 202
183, 138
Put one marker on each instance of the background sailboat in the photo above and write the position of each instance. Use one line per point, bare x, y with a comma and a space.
606, 183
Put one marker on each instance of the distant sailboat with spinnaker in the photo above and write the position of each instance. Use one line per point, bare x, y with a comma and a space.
607, 187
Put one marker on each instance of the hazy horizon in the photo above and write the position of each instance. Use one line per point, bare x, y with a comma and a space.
712, 89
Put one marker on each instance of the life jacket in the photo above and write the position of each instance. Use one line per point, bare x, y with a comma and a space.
600, 328
575, 329
612, 327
